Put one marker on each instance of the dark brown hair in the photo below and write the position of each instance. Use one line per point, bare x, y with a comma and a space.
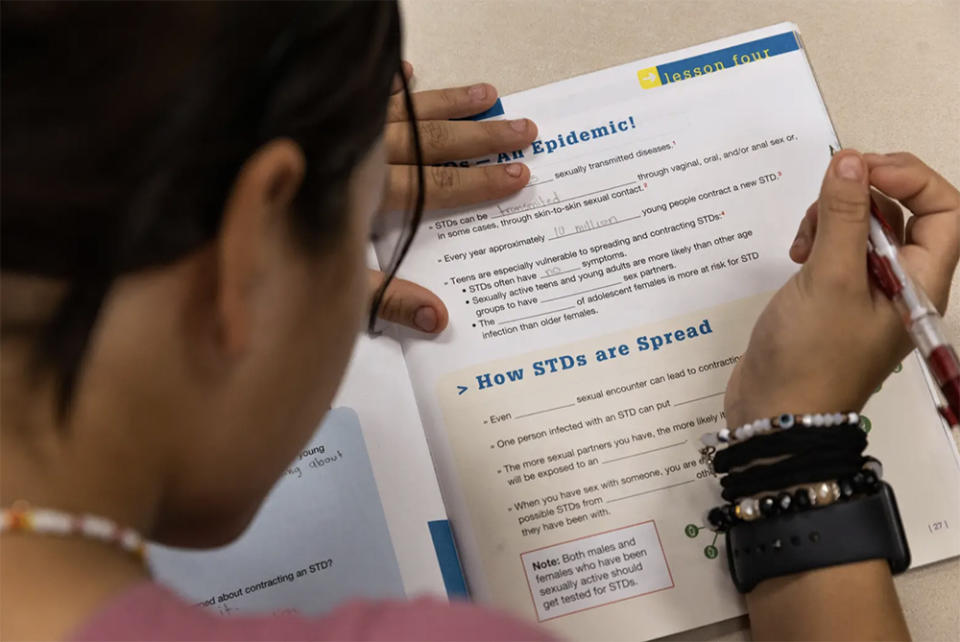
125, 124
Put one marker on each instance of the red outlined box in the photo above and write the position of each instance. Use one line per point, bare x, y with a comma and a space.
614, 601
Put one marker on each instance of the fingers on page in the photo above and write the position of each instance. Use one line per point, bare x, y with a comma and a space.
409, 304
454, 186
442, 104
444, 140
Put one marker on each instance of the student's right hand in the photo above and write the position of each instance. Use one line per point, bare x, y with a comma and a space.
829, 337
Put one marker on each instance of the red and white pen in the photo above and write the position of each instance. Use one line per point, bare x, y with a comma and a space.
921, 319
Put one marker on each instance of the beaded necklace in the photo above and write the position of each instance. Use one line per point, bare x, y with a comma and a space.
21, 517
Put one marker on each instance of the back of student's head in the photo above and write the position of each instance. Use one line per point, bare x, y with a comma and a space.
124, 125
127, 130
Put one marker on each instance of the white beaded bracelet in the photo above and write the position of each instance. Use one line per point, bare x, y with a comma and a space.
785, 421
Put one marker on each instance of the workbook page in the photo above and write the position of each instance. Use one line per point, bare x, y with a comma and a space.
595, 319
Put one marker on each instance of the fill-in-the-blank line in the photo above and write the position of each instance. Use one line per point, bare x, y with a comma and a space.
533, 206
549, 180
537, 315
645, 452
550, 276
716, 394
655, 490
564, 296
599, 227
540, 412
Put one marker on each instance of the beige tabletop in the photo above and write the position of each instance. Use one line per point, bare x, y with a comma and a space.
889, 71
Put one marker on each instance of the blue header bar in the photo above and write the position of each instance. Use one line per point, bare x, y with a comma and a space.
743, 54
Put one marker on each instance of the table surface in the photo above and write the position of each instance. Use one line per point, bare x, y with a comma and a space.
888, 70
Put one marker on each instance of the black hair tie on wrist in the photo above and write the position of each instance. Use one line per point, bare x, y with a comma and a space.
801, 469
791, 442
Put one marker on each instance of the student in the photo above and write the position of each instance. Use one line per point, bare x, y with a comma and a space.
187, 191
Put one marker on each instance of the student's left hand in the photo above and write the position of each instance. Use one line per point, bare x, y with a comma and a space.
442, 140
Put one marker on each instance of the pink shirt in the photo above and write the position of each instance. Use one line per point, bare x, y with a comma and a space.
152, 612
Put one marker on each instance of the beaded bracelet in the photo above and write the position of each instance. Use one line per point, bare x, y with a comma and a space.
780, 422
821, 494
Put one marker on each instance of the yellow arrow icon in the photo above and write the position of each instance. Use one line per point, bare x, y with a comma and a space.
649, 77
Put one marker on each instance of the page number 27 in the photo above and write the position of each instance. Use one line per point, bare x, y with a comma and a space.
942, 525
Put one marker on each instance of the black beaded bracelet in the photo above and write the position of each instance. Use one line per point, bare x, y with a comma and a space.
864, 482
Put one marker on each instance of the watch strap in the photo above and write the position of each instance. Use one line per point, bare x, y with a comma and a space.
850, 531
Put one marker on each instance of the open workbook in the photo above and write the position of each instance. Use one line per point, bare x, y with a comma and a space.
595, 319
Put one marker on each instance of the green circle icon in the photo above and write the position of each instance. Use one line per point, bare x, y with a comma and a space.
865, 424
711, 552
898, 368
691, 530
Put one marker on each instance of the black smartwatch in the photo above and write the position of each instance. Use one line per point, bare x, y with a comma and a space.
850, 531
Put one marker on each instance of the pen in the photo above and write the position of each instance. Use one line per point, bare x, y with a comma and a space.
920, 318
